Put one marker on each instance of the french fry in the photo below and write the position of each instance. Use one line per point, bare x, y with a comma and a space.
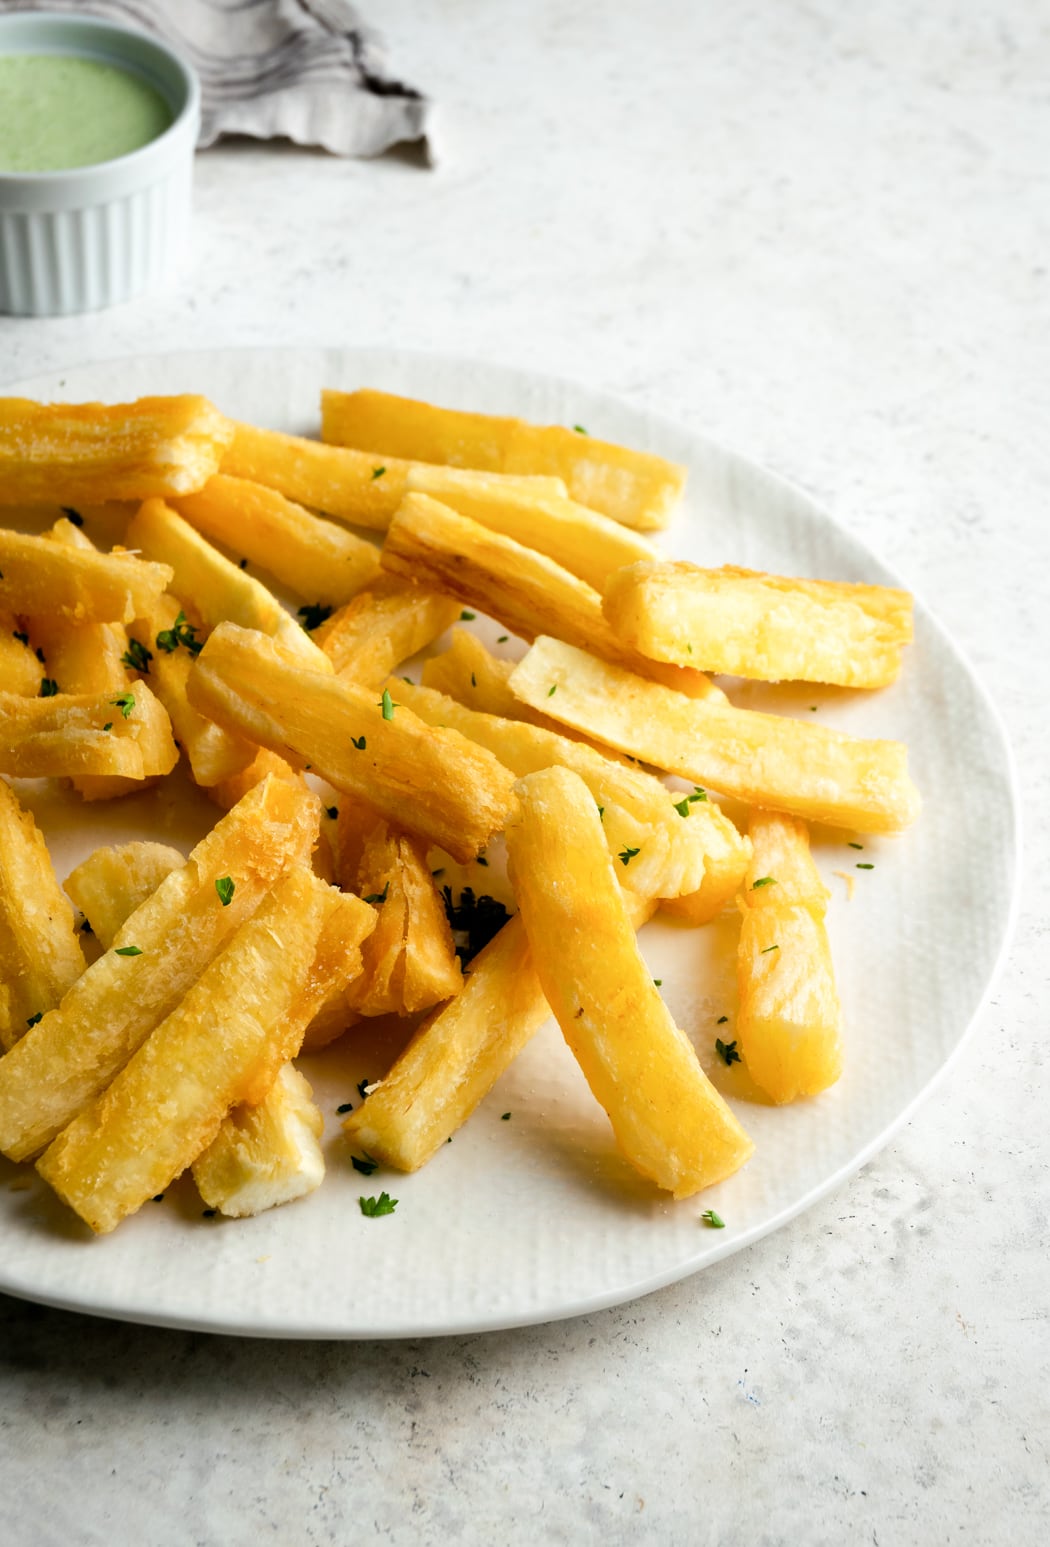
40, 955
317, 560
168, 1102
669, 1120
85, 658
71, 453
20, 670
669, 845
113, 881
789, 1019
768, 627
369, 638
433, 783
633, 487
468, 672
264, 1155
527, 592
350, 485
77, 735
229, 791
409, 962
41, 578
585, 543
454, 1058
217, 589
765, 759
77, 1049
214, 754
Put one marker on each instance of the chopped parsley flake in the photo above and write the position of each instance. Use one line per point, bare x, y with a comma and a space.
715, 1221
580, 429
180, 633
108, 725
862, 866
225, 888
682, 806
137, 657
727, 1052
473, 680
35, 1019
331, 812
552, 690
505, 1118
768, 949
476, 918
48, 687
626, 855
659, 982
129, 950
856, 846
387, 704
347, 1106
467, 617
721, 1020
362, 1088
763, 881
313, 614
372, 1208
378, 897
502, 640
359, 742
365, 1164
377, 472
125, 703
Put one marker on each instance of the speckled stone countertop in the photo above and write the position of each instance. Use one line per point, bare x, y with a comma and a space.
820, 234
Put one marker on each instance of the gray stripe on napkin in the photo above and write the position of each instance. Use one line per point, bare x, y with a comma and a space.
305, 69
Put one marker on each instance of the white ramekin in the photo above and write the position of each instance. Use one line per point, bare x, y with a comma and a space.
79, 240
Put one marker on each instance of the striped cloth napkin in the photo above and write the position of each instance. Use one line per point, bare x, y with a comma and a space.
304, 69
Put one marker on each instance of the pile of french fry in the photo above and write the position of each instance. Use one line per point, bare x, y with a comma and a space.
173, 1049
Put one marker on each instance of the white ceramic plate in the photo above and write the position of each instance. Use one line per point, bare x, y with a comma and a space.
536, 1217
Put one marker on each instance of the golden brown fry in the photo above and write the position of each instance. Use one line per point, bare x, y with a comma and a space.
73, 1053
72, 453
764, 626
409, 962
585, 543
168, 1102
214, 754
455, 1057
765, 759
40, 955
527, 592
264, 1155
215, 587
113, 881
789, 1020
41, 578
633, 487
317, 560
20, 670
433, 783
229, 791
72, 735
670, 846
466, 671
669, 1121
370, 637
350, 485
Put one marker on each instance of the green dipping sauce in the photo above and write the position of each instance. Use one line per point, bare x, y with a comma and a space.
59, 111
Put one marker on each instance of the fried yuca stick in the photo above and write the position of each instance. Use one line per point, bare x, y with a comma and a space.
20, 669
40, 955
168, 1102
765, 759
167, 649
585, 543
74, 1052
789, 1019
468, 672
319, 561
527, 592
217, 589
666, 847
669, 1120
41, 578
369, 638
229, 791
113, 881
264, 1155
454, 1058
433, 783
763, 626
75, 735
409, 962
351, 485
633, 487
90, 452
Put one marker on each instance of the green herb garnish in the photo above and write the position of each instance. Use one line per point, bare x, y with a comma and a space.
715, 1221
347, 1106
476, 919
129, 950
467, 617
763, 881
626, 855
225, 888
125, 703
137, 657
378, 897
387, 704
862, 866
377, 472
768, 949
313, 614
366, 1165
359, 742
180, 633
372, 1208
48, 687
727, 1052
552, 690
35, 1019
